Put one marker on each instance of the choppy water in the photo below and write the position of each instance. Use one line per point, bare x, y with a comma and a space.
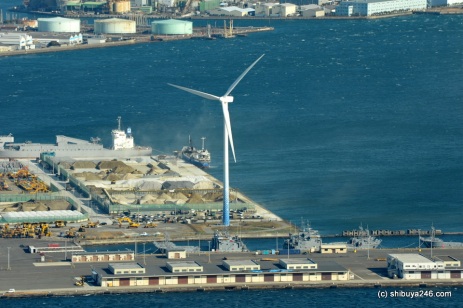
341, 123
364, 297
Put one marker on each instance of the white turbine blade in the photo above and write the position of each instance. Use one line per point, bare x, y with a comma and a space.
195, 92
226, 116
241, 76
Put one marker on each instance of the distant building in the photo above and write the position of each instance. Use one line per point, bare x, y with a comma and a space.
333, 248
176, 253
240, 265
111, 256
232, 11
126, 268
184, 266
208, 5
434, 3
284, 10
265, 9
16, 40
312, 10
377, 7
298, 264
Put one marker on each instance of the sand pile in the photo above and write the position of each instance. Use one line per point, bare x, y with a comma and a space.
195, 199
83, 165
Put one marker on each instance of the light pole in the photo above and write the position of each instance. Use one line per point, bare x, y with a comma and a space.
209, 248
144, 254
8, 268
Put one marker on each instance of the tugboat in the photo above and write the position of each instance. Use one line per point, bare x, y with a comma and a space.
223, 242
200, 158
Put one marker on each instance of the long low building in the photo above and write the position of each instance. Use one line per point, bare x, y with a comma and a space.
172, 273
378, 7
411, 266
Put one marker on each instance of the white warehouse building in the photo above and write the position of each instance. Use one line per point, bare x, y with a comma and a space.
411, 266
375, 7
59, 24
18, 40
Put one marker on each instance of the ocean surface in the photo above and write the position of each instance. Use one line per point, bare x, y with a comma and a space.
342, 123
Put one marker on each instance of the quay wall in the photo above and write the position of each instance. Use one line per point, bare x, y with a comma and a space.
86, 290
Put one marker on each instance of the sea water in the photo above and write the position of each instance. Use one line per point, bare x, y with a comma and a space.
342, 123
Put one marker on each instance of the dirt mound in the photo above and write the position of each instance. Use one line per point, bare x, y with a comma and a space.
195, 199
83, 165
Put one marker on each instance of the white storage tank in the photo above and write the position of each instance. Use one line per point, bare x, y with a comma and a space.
114, 25
59, 24
171, 27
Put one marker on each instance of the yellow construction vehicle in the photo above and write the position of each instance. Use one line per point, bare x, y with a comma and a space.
80, 282
71, 233
92, 224
124, 219
132, 224
59, 224
151, 225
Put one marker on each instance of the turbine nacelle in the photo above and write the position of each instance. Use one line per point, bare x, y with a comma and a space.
226, 99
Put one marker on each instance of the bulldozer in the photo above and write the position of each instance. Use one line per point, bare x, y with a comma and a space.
151, 225
71, 233
92, 224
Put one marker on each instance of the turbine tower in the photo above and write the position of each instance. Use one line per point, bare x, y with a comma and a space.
227, 135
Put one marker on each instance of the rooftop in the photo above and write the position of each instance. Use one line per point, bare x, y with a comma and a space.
411, 257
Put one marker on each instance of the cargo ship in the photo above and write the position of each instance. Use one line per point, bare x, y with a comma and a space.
200, 158
123, 146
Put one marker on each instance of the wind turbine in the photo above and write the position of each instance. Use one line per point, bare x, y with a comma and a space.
224, 100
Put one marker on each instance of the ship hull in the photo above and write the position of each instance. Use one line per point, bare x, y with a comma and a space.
195, 162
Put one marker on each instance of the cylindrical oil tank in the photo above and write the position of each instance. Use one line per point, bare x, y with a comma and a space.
171, 27
59, 24
114, 25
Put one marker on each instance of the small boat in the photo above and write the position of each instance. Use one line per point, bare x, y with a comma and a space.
200, 158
